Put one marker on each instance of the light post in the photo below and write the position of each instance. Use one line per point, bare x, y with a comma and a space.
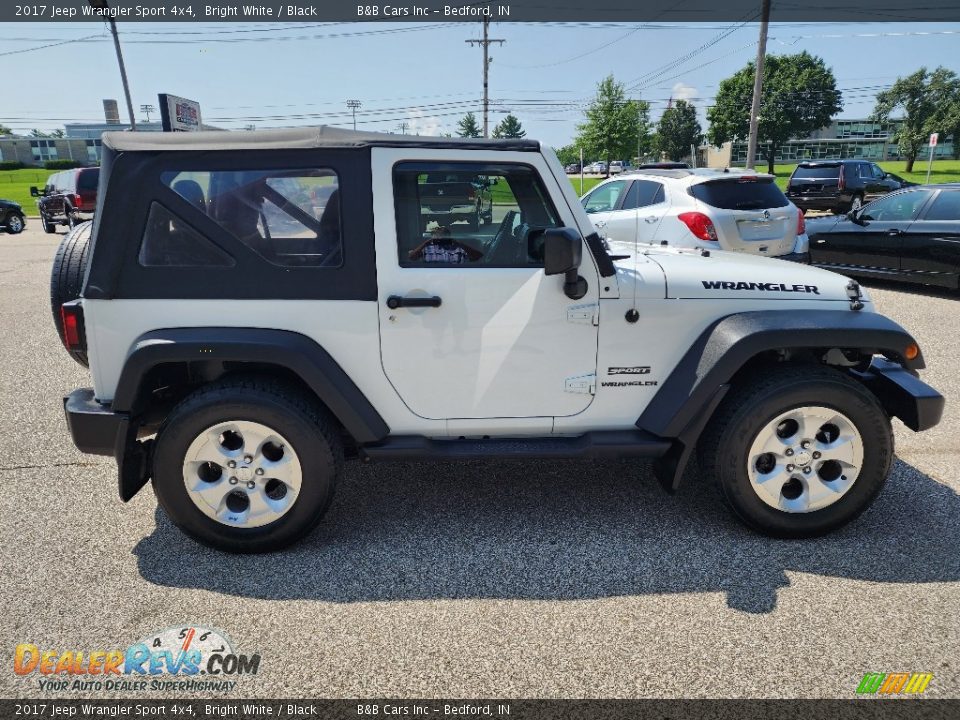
104, 8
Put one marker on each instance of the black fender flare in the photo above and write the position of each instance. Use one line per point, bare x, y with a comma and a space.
693, 390
291, 350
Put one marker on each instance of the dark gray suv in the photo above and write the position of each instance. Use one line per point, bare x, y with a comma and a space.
840, 185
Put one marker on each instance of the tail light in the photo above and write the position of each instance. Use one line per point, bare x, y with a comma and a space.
801, 222
699, 224
471, 194
77, 201
71, 314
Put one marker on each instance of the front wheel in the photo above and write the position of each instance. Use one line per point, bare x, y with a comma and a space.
798, 452
246, 465
48, 227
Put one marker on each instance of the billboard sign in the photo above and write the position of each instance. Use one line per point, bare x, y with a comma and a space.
179, 114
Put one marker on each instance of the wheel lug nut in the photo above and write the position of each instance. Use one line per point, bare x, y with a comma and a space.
789, 452
248, 459
232, 464
805, 444
259, 471
806, 471
251, 485
816, 455
790, 468
233, 481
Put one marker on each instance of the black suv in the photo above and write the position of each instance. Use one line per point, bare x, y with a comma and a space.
840, 185
11, 217
68, 198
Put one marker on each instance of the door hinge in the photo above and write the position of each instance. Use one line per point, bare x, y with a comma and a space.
588, 314
582, 384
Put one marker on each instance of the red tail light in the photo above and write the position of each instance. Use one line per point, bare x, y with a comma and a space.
77, 202
72, 316
801, 223
699, 224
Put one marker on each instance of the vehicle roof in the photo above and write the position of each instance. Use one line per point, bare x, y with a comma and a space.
695, 175
295, 138
827, 161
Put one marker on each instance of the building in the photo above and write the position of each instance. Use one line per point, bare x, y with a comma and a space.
845, 138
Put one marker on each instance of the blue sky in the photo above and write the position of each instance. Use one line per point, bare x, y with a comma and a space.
426, 75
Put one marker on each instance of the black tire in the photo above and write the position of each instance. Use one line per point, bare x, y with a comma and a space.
70, 217
66, 277
48, 227
15, 223
723, 449
307, 426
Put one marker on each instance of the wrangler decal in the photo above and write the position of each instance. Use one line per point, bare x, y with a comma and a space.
765, 287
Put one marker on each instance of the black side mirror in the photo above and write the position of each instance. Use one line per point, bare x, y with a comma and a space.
562, 254
34, 192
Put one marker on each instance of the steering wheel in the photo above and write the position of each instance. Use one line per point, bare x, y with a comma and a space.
504, 230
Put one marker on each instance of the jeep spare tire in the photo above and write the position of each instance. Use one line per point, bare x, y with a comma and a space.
66, 278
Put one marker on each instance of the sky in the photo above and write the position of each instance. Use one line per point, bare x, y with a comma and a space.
425, 74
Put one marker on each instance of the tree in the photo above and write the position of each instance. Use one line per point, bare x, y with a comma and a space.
4, 130
677, 130
568, 154
58, 133
468, 128
924, 99
945, 87
509, 127
39, 133
799, 96
615, 127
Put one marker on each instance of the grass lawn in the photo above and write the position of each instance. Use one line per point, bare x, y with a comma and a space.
15, 185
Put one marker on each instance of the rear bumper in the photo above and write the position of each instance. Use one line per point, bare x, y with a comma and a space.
822, 202
903, 394
98, 430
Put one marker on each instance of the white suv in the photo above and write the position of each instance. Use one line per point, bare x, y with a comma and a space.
700, 208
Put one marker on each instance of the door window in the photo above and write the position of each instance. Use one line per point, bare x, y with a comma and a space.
896, 208
945, 207
605, 197
878, 173
469, 214
643, 193
288, 217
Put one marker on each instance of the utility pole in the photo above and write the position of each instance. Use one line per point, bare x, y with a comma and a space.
353, 105
758, 84
147, 109
103, 6
485, 44
402, 127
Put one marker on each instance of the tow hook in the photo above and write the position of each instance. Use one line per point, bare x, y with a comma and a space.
856, 297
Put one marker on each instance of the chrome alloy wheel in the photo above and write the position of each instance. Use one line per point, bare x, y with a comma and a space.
805, 459
242, 474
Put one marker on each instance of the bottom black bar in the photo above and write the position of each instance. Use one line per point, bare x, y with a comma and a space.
925, 709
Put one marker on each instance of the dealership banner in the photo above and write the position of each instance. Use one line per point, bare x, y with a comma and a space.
661, 11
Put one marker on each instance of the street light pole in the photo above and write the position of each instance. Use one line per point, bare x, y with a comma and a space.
103, 6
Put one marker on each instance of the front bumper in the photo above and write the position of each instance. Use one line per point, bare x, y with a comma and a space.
98, 430
903, 394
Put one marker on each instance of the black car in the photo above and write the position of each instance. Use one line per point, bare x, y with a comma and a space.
11, 217
840, 185
911, 235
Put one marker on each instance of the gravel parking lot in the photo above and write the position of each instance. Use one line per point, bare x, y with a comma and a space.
483, 579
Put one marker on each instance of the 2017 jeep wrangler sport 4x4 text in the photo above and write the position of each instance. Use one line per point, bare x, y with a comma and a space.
257, 307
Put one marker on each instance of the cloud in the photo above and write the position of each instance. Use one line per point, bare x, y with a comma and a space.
422, 124
682, 91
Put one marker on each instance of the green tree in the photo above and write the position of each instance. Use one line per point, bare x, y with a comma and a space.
58, 133
799, 96
4, 130
509, 127
615, 127
945, 87
568, 154
677, 130
468, 128
39, 133
925, 101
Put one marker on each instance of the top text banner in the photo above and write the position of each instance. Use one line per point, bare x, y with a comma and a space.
623, 11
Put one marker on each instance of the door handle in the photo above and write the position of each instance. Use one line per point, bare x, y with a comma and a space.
894, 232
650, 219
395, 301
601, 223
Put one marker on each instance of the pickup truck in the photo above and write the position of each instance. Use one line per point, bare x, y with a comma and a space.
447, 198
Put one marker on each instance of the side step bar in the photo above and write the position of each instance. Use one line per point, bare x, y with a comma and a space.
609, 444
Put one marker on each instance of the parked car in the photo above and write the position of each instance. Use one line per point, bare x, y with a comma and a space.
911, 235
572, 168
618, 166
449, 197
839, 185
738, 211
240, 387
12, 218
68, 198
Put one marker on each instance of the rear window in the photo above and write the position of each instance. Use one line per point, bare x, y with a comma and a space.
817, 171
737, 195
88, 180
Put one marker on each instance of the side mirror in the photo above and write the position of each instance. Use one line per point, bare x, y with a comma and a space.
34, 192
854, 217
562, 253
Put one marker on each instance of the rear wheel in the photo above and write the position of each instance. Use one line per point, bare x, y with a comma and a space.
246, 465
48, 227
71, 217
15, 223
798, 452
66, 277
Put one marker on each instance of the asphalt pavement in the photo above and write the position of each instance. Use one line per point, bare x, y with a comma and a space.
481, 579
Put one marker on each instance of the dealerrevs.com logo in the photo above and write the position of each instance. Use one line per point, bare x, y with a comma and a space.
182, 658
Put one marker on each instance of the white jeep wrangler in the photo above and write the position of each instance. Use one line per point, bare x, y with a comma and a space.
257, 307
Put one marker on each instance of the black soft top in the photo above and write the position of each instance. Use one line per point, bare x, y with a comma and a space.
323, 136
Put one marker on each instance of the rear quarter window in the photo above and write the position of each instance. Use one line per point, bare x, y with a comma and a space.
737, 195
88, 180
